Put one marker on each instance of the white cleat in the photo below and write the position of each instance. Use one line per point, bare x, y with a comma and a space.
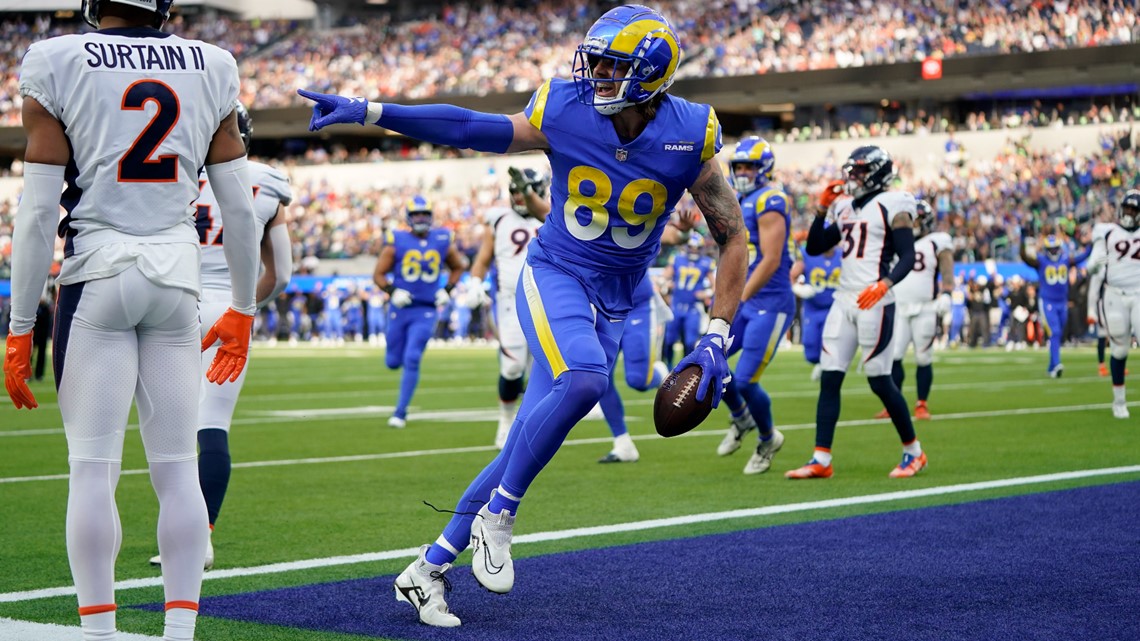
1057, 371
397, 422
209, 563
491, 561
762, 459
624, 451
423, 586
736, 431
1119, 410
503, 432
817, 372
660, 370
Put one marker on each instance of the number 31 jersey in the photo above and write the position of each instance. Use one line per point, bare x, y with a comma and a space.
866, 241
139, 108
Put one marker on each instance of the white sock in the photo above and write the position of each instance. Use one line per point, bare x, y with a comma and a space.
508, 408
507, 495
180, 624
625, 440
822, 457
183, 528
914, 448
98, 627
1118, 394
93, 533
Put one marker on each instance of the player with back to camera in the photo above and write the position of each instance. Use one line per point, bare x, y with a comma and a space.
1116, 277
768, 306
128, 138
416, 258
917, 300
505, 240
216, 403
874, 226
622, 152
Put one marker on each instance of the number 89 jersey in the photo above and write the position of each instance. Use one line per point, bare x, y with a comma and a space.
866, 241
140, 108
419, 262
611, 198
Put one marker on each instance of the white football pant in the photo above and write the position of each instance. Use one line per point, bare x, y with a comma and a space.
915, 323
1121, 313
848, 327
216, 403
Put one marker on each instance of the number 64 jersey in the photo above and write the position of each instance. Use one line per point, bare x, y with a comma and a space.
140, 108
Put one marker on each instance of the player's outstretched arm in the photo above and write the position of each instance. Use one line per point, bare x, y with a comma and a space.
437, 124
1023, 250
33, 242
820, 236
277, 257
1077, 259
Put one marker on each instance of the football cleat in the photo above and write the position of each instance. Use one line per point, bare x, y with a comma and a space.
624, 451
397, 422
735, 433
503, 432
813, 470
1120, 410
1102, 370
491, 561
423, 586
209, 563
921, 412
909, 466
883, 414
762, 459
1057, 371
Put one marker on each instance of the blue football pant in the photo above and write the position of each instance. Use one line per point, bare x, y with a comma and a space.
685, 327
812, 319
1054, 317
409, 330
758, 334
640, 345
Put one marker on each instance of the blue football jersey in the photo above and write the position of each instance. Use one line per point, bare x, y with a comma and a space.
1053, 276
611, 198
822, 273
420, 262
689, 277
768, 201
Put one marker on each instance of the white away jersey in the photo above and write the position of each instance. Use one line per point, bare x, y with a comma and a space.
1119, 251
921, 284
139, 108
270, 189
866, 242
513, 232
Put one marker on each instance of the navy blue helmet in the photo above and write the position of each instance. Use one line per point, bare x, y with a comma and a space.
161, 8
868, 170
1130, 210
244, 123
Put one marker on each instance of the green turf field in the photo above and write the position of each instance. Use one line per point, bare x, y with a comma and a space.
318, 474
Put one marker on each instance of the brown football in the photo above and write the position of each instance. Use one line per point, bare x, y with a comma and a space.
676, 409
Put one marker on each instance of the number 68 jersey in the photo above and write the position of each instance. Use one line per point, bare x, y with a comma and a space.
140, 108
866, 241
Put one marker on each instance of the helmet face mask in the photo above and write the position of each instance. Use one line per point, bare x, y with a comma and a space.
694, 246
161, 8
245, 124
923, 218
419, 215
536, 182
1129, 214
867, 171
1052, 247
628, 56
751, 164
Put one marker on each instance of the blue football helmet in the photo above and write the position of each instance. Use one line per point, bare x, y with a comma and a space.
244, 123
419, 214
924, 218
868, 170
1053, 246
637, 42
1130, 210
161, 8
695, 245
753, 152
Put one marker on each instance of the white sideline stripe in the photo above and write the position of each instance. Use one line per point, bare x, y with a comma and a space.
12, 630
635, 526
594, 441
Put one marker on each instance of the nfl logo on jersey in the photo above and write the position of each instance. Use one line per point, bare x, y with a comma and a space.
621, 155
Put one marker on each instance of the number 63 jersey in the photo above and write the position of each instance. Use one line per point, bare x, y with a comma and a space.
139, 108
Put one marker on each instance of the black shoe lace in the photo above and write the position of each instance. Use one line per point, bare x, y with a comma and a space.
436, 575
453, 511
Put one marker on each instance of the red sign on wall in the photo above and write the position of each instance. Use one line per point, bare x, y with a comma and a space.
931, 69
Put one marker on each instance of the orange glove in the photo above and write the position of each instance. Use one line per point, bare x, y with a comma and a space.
234, 330
18, 369
1091, 321
873, 294
832, 191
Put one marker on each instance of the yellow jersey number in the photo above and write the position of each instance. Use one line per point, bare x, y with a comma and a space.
418, 265
820, 280
600, 196
687, 278
1056, 274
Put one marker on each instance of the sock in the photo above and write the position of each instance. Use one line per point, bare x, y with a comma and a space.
914, 448
409, 379
507, 409
624, 440
1100, 344
99, 624
213, 469
893, 400
93, 535
924, 376
503, 500
760, 406
441, 552
898, 374
822, 456
181, 616
183, 529
827, 409
734, 400
1116, 365
1118, 394
613, 409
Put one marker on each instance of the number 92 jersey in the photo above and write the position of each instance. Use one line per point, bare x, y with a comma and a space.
139, 108
611, 198
419, 262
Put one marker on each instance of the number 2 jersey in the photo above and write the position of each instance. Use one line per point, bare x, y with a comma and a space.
270, 189
866, 241
611, 198
139, 108
513, 233
420, 262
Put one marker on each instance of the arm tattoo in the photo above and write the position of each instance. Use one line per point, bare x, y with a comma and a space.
718, 203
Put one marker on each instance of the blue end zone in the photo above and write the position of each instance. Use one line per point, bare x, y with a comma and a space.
1058, 565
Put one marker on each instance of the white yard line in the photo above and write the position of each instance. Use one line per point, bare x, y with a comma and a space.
601, 530
480, 414
12, 630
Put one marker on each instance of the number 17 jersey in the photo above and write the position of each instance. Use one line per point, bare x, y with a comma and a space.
139, 108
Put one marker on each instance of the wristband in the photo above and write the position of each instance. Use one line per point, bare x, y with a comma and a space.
720, 327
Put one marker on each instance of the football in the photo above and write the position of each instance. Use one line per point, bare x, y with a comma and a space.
676, 409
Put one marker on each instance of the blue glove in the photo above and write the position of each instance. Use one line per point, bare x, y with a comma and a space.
331, 109
710, 353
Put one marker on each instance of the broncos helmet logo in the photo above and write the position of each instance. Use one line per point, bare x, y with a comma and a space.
161, 8
628, 56
752, 152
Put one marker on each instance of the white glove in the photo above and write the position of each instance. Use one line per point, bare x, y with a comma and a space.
475, 297
401, 298
442, 297
943, 304
803, 290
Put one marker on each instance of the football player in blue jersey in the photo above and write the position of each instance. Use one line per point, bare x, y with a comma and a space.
416, 259
820, 276
622, 152
1053, 263
689, 273
768, 306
